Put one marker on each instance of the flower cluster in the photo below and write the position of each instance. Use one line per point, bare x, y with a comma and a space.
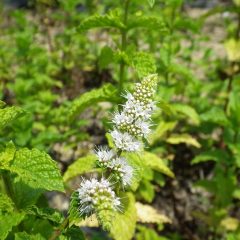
97, 195
118, 166
133, 122
130, 126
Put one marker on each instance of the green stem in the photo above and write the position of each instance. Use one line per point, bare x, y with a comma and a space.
123, 46
58, 231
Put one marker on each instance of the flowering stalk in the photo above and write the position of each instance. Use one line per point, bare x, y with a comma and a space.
131, 125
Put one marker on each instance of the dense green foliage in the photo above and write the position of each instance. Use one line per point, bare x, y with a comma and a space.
64, 66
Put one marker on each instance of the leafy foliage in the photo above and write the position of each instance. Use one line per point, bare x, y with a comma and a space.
112, 19
54, 78
105, 93
8, 114
80, 166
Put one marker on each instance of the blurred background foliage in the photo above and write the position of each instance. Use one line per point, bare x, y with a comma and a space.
65, 62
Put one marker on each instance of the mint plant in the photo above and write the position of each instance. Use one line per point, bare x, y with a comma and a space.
120, 164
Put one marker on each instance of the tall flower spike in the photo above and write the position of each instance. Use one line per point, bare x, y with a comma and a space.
95, 196
133, 122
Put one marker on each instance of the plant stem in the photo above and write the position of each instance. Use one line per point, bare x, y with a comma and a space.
123, 46
58, 231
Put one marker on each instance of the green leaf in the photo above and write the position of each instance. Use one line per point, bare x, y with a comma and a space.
105, 93
37, 169
8, 221
183, 138
46, 213
106, 57
215, 115
234, 107
25, 196
156, 163
8, 114
110, 20
123, 227
72, 233
147, 22
145, 233
80, 166
73, 212
188, 111
143, 63
136, 162
160, 131
110, 140
146, 190
214, 155
165, 107
26, 236
232, 47
7, 155
6, 203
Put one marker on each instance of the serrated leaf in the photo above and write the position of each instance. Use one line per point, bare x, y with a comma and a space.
110, 20
143, 63
8, 221
188, 111
156, 163
46, 213
8, 114
183, 138
7, 155
26, 236
215, 115
148, 23
148, 214
124, 224
105, 93
80, 166
73, 212
37, 169
6, 203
